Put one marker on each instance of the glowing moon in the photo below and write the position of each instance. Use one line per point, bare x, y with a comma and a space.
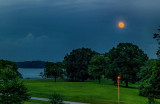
121, 24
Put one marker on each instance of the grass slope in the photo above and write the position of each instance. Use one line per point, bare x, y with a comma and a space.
88, 92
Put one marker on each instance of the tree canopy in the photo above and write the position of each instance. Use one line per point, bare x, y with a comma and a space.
53, 69
9, 64
76, 63
150, 86
97, 66
150, 74
157, 37
125, 61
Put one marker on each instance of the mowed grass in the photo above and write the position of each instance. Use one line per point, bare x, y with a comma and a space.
88, 92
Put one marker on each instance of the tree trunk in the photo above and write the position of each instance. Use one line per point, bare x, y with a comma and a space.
99, 80
126, 83
121, 81
115, 82
55, 79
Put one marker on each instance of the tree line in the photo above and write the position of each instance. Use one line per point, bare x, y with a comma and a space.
81, 64
125, 60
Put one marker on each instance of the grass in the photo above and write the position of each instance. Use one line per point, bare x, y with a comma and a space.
88, 92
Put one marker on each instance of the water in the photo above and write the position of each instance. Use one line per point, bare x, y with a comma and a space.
31, 72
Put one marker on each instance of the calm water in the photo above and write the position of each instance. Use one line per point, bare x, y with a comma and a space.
31, 72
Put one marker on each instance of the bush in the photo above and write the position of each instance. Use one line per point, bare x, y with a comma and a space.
56, 99
12, 89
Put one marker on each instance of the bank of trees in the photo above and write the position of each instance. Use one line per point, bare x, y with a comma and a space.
124, 60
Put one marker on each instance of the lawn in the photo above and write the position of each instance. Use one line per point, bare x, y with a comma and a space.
88, 92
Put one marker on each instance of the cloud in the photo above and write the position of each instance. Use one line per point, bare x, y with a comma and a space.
30, 38
42, 38
24, 41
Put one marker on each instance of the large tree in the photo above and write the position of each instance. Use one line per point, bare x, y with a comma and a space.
12, 89
97, 67
150, 86
76, 63
126, 60
53, 69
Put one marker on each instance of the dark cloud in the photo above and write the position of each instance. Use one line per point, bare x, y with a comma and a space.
48, 29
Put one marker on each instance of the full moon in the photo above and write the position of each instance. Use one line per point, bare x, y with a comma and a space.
121, 24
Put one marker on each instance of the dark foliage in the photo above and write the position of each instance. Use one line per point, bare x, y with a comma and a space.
9, 64
157, 37
97, 67
54, 69
76, 63
56, 99
125, 61
12, 88
150, 74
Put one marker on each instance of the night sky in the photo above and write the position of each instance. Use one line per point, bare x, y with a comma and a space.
49, 29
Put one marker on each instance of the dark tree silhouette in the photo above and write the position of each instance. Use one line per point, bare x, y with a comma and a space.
76, 63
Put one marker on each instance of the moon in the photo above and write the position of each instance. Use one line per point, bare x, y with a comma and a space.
121, 24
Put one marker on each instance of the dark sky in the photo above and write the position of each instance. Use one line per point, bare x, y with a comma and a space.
49, 29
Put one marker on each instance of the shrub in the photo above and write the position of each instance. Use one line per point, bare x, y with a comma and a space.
56, 99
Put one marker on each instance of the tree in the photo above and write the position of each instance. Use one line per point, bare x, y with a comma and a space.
76, 63
145, 76
112, 70
147, 69
12, 88
157, 37
97, 66
53, 69
9, 64
150, 86
126, 60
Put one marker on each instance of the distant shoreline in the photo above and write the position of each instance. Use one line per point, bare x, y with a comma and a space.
31, 68
31, 64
